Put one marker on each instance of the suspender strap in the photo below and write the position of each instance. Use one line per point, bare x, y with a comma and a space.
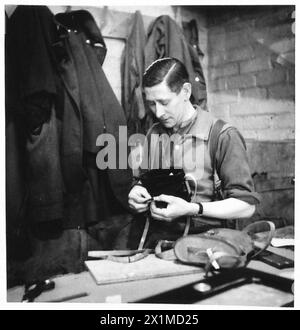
214, 140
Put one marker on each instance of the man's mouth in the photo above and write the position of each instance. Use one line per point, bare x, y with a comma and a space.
164, 119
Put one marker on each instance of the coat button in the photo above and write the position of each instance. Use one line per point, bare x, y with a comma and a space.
88, 41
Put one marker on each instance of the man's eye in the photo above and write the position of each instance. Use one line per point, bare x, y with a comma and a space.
164, 103
151, 104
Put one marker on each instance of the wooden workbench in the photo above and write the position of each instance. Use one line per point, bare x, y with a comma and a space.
127, 292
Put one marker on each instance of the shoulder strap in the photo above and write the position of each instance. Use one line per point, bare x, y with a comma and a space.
217, 128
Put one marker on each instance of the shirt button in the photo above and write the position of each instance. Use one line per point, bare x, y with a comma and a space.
88, 41
197, 79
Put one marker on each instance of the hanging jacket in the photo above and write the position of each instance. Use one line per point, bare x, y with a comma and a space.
166, 39
91, 107
132, 74
30, 102
65, 103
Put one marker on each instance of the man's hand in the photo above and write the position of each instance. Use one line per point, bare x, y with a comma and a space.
137, 199
177, 207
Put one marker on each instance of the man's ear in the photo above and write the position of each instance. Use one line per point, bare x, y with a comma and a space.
187, 90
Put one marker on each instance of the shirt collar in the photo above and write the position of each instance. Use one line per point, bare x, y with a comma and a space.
201, 125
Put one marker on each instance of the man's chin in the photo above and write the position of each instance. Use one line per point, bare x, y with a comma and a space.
167, 123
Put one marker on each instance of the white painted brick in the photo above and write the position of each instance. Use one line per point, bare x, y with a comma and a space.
241, 81
216, 85
223, 97
257, 64
253, 122
239, 54
224, 70
216, 42
249, 134
282, 91
257, 106
275, 134
216, 59
269, 134
220, 111
238, 39
284, 121
254, 93
240, 24
271, 77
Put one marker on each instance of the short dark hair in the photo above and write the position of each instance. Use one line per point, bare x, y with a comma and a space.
168, 68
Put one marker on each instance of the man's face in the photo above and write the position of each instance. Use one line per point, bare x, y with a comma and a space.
167, 106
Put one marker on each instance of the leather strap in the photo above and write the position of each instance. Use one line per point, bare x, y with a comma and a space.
145, 232
123, 256
257, 227
254, 227
165, 250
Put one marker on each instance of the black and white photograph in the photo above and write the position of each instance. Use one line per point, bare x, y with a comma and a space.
149, 157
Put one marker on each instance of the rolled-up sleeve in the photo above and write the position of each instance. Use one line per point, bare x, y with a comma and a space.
233, 167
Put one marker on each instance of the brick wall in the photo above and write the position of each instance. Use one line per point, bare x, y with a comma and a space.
251, 65
251, 84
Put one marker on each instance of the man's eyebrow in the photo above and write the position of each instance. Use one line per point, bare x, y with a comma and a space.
158, 100
163, 100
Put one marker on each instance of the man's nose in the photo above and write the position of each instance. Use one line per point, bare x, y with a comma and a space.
159, 110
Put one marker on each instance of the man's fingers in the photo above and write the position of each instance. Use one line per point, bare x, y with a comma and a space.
138, 206
158, 213
139, 198
164, 198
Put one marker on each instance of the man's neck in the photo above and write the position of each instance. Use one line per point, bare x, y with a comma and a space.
188, 114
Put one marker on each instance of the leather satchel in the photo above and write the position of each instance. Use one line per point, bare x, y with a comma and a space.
169, 182
166, 181
224, 248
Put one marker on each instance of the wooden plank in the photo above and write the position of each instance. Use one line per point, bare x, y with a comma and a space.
107, 272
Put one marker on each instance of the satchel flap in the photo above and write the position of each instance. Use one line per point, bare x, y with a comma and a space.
193, 248
239, 239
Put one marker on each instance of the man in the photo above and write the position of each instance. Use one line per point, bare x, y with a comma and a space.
168, 90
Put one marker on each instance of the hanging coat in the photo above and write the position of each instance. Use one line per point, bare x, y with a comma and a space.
166, 39
132, 74
65, 103
91, 107
31, 100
